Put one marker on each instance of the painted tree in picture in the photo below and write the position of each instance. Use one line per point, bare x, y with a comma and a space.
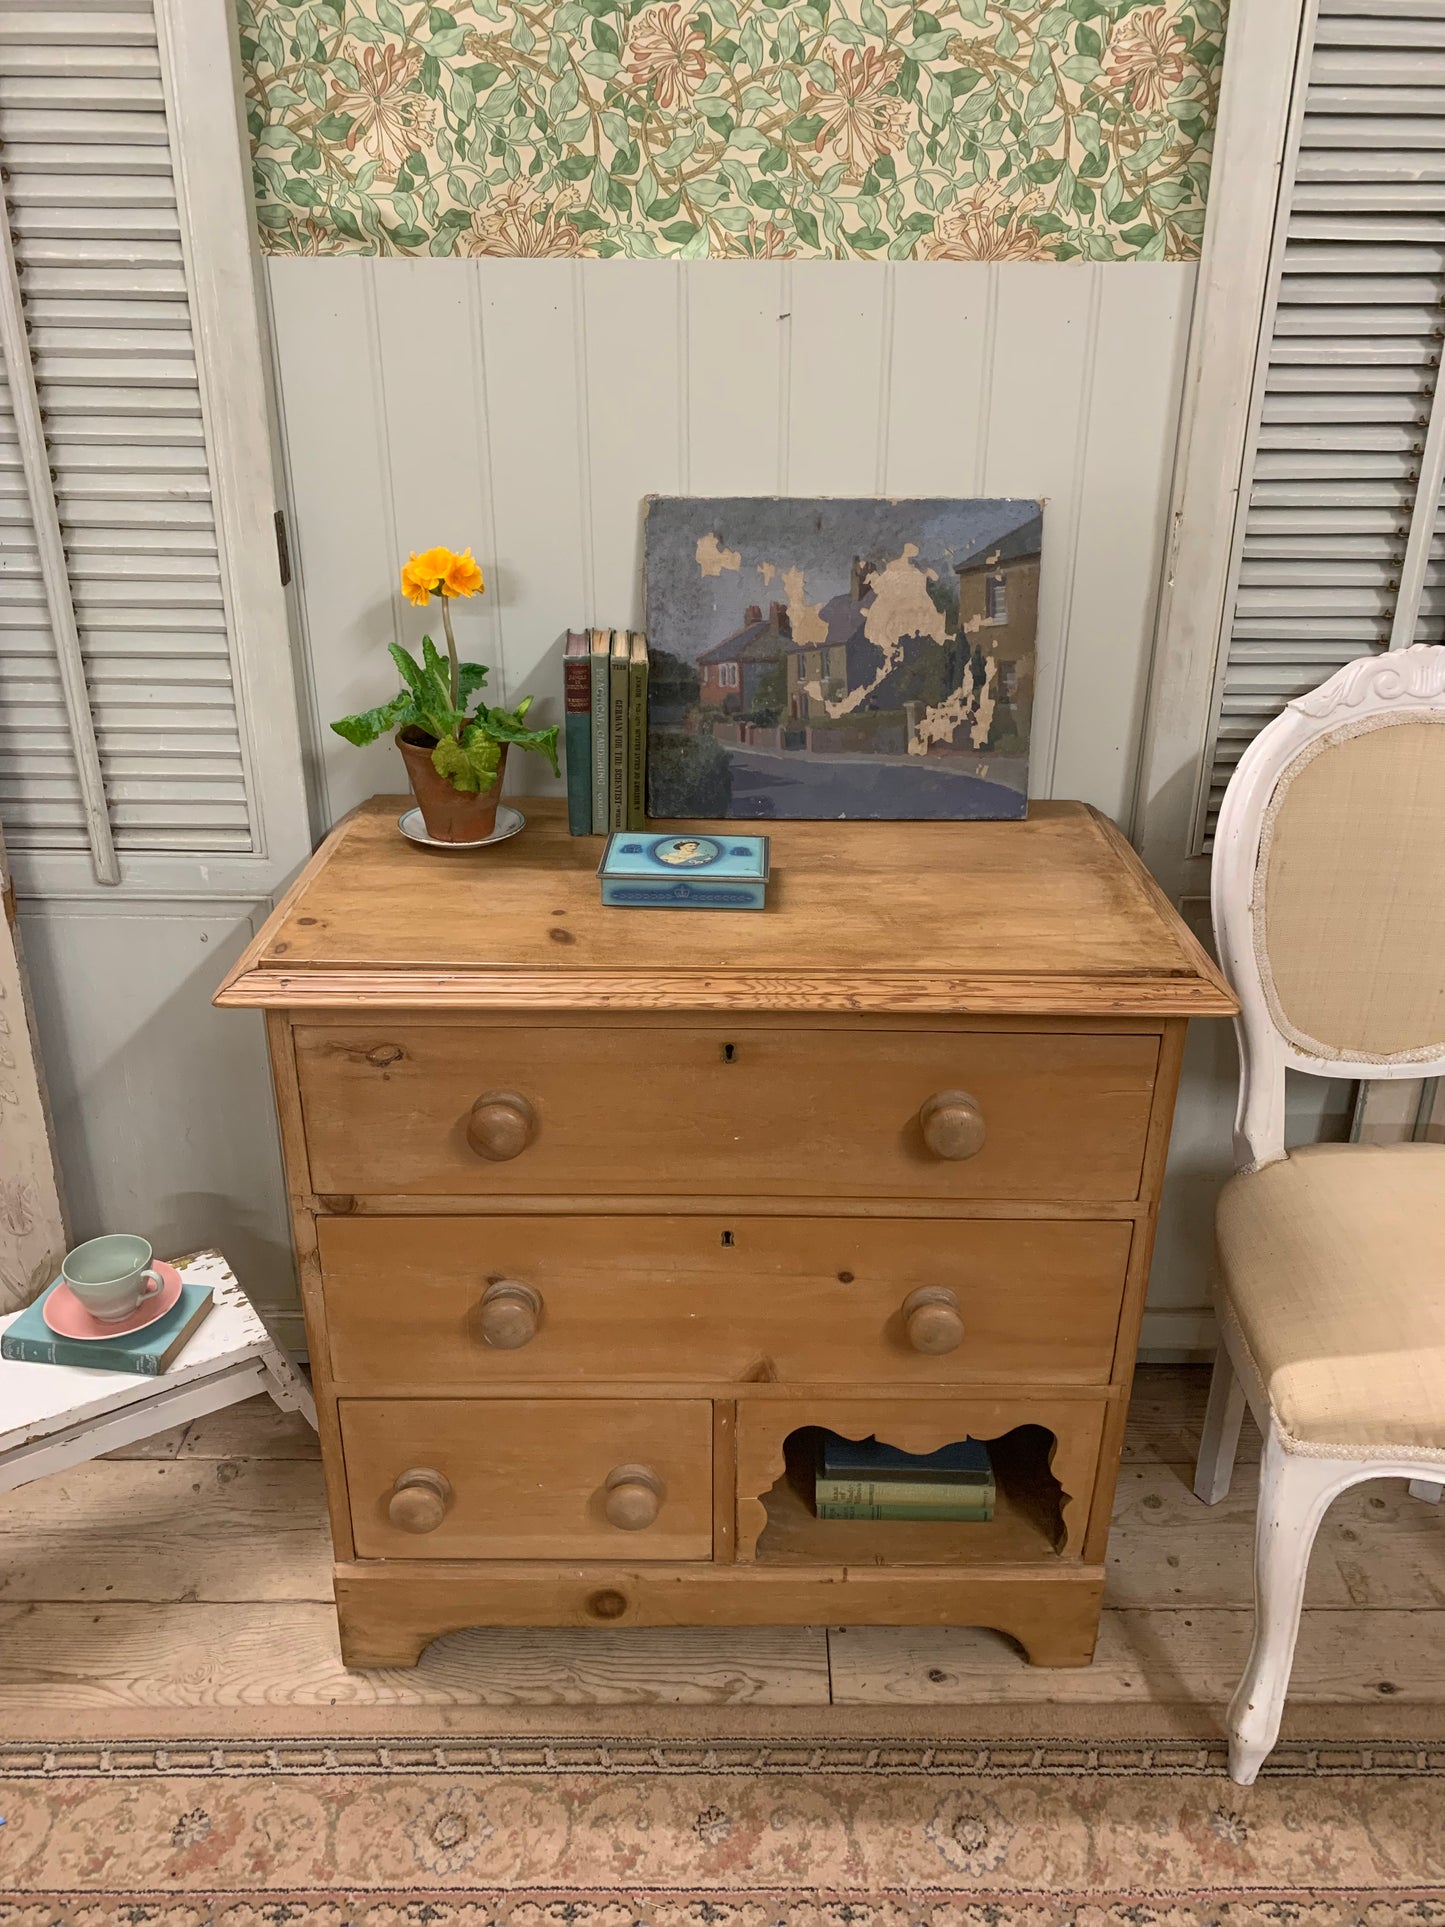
840, 658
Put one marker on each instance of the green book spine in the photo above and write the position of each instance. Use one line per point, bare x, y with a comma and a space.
636, 733
924, 1493
617, 734
577, 694
601, 665
967, 1514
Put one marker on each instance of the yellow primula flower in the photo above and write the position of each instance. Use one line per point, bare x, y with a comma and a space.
463, 576
440, 572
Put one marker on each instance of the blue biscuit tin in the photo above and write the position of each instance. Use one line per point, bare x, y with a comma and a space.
642, 871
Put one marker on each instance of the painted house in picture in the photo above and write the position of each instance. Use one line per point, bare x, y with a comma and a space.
840, 658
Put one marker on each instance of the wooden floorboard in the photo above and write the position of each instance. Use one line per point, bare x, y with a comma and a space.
193, 1571
80, 1658
169, 1530
1192, 1655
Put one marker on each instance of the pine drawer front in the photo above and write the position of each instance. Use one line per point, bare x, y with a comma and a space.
617, 1479
398, 1108
473, 1303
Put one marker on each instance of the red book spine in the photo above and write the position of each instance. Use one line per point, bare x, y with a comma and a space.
577, 685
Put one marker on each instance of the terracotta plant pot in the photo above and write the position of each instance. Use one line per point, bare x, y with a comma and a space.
451, 816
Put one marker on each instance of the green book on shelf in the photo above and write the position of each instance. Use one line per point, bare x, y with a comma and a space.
577, 698
973, 1514
617, 732
30, 1341
636, 732
601, 683
923, 1493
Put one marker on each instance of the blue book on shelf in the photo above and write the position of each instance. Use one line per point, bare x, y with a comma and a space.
30, 1341
966, 1459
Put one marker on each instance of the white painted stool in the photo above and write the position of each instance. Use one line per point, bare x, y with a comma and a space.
54, 1416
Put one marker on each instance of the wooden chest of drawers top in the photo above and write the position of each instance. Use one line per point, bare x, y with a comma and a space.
1051, 917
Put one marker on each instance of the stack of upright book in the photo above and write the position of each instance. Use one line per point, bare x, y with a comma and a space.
861, 1479
605, 690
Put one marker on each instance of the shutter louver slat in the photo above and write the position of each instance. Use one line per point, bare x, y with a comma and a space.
98, 241
1345, 390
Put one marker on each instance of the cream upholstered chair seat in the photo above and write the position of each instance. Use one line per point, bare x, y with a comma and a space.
1332, 1270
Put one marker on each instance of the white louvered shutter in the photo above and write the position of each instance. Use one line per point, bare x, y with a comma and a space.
1336, 551
97, 242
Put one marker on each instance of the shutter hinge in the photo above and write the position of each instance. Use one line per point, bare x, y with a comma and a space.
283, 549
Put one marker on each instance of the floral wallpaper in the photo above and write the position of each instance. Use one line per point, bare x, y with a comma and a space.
957, 130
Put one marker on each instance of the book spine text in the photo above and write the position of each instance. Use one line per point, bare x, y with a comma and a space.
636, 735
601, 671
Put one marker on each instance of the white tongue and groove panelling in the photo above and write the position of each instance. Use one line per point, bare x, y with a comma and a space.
1347, 377
525, 408
85, 144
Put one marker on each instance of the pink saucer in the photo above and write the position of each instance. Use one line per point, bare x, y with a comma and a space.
68, 1318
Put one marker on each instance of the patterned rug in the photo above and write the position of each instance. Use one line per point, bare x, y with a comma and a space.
801, 1833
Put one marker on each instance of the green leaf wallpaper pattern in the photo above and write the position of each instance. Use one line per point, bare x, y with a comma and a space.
963, 130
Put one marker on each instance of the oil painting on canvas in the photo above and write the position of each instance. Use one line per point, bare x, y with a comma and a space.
840, 658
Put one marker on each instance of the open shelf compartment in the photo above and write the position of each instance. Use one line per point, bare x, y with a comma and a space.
1027, 1522
1043, 1461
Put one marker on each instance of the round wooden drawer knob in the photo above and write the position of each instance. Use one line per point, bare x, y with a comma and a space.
501, 1125
634, 1497
952, 1125
509, 1314
932, 1320
419, 1501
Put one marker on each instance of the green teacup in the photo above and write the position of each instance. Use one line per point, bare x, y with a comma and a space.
111, 1275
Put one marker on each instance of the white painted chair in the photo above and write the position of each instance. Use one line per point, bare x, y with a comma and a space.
1329, 913
54, 1416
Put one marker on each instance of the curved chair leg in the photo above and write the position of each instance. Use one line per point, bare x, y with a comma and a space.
1214, 1468
1294, 1494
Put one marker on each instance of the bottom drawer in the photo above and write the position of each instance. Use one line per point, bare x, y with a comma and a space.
532, 1478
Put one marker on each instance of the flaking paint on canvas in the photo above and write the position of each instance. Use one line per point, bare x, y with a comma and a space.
859, 658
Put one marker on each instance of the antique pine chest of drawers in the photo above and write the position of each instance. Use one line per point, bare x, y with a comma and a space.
603, 1218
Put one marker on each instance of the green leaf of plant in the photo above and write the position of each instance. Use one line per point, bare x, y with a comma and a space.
764, 194
874, 18
805, 226
507, 726
390, 16
368, 724
451, 759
